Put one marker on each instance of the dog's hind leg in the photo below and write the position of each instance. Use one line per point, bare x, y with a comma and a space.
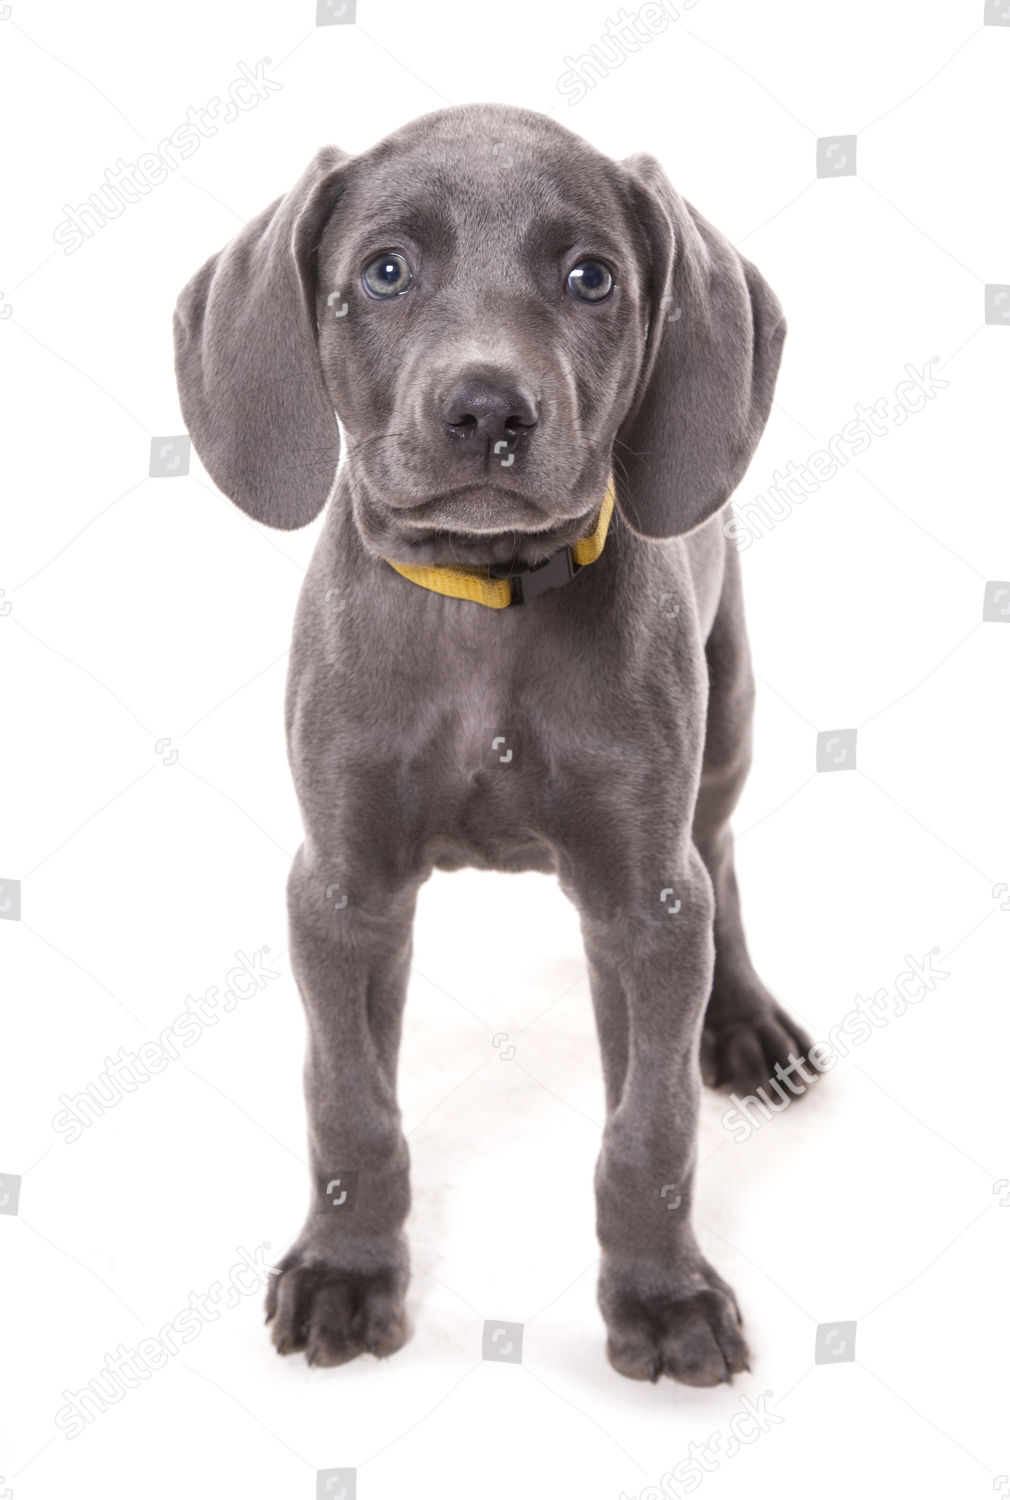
746, 1033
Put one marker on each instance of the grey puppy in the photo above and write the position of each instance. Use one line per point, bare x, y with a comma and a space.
503, 318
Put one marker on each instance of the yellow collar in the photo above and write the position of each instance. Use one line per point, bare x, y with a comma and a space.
502, 584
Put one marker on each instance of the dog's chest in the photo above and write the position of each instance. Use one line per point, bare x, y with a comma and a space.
497, 742
505, 762
477, 779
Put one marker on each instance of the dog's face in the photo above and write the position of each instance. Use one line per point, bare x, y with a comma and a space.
501, 316
482, 305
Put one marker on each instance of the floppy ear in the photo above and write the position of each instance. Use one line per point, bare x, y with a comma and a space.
246, 359
712, 353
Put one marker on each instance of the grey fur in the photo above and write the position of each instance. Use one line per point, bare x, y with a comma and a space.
626, 695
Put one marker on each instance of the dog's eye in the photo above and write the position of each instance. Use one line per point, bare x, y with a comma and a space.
591, 280
388, 275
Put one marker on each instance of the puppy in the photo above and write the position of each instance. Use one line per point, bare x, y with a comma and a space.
520, 645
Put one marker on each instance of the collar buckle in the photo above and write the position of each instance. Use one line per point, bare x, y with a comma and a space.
528, 580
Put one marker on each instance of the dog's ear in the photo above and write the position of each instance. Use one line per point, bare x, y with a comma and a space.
712, 352
247, 363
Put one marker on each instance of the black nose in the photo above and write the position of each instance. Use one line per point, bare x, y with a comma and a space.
488, 410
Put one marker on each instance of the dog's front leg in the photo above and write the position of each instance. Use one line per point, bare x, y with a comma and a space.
650, 954
340, 1288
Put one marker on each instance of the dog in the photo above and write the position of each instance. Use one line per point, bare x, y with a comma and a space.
519, 645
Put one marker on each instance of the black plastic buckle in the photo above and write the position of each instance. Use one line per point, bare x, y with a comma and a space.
530, 579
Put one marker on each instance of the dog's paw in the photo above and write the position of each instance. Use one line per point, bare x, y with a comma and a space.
695, 1337
333, 1314
742, 1042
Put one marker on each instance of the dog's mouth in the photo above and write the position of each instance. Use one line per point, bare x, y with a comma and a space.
488, 520
476, 510
477, 524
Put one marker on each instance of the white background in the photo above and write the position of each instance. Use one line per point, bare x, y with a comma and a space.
143, 609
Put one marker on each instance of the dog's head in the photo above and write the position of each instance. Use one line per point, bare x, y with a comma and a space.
501, 316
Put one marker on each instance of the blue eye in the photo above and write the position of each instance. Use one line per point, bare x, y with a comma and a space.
591, 280
388, 275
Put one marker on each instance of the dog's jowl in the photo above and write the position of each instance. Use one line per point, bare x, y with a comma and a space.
520, 645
